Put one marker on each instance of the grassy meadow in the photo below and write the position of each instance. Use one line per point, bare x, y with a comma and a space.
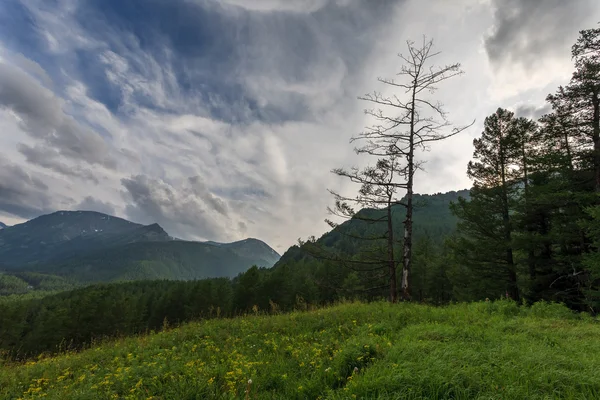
485, 350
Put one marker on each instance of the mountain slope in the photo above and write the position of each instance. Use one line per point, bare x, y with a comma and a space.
24, 282
251, 248
432, 218
176, 259
66, 234
3, 225
86, 246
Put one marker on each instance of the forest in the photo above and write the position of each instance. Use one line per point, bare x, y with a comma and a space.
528, 229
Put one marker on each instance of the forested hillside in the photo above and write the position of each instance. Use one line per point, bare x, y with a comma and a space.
18, 283
329, 259
178, 259
527, 230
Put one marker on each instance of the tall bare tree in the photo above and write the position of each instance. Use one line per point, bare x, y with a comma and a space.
406, 121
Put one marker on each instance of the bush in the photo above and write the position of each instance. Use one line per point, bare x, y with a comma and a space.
544, 309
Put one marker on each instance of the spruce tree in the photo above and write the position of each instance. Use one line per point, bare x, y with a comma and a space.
485, 228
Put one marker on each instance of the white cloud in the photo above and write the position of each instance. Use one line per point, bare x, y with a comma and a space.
305, 6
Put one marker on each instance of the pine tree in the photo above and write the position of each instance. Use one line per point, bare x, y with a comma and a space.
485, 229
582, 96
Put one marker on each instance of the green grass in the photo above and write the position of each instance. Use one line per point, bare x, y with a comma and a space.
486, 350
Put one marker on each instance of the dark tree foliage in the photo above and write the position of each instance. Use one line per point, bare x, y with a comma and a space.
486, 224
530, 225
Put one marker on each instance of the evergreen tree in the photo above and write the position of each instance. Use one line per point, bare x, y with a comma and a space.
582, 97
485, 229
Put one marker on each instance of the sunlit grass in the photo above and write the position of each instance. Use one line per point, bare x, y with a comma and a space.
487, 350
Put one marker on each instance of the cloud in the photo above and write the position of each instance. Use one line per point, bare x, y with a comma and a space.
526, 32
307, 6
23, 194
33, 69
51, 158
188, 209
41, 116
531, 111
91, 204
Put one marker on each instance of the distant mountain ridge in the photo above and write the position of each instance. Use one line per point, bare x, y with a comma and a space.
89, 246
251, 247
3, 225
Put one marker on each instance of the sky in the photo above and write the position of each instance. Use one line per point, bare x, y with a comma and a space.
222, 120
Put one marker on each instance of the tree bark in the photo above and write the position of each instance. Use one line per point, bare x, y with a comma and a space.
407, 253
391, 259
407, 246
512, 289
596, 136
530, 229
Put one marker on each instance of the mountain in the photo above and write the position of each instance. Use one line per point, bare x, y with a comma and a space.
86, 246
3, 225
432, 219
177, 259
66, 234
251, 248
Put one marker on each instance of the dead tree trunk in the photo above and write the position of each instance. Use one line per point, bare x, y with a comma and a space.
405, 127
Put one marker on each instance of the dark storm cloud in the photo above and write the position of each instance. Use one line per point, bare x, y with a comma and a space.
22, 194
237, 65
50, 158
188, 209
92, 204
525, 31
42, 118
